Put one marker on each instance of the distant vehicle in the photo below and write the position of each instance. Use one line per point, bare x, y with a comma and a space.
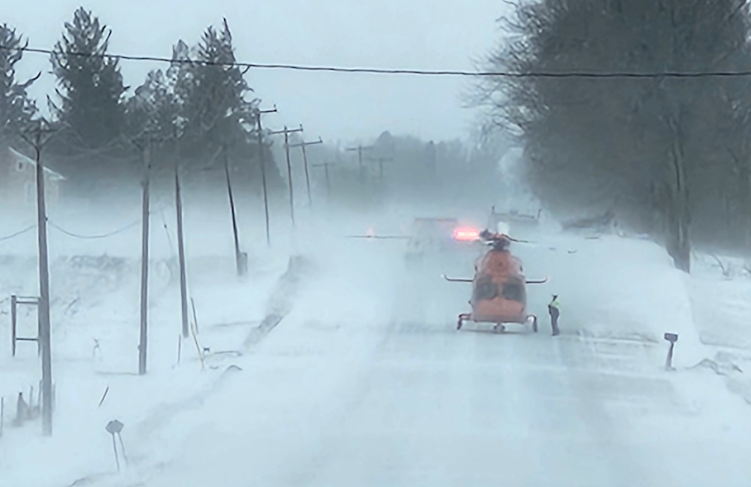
499, 293
438, 235
599, 223
507, 219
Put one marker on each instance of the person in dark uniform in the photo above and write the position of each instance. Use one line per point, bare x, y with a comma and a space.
554, 309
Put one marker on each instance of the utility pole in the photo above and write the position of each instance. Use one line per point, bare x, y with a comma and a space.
325, 167
305, 161
143, 344
286, 133
359, 150
41, 136
263, 170
380, 161
181, 251
238, 255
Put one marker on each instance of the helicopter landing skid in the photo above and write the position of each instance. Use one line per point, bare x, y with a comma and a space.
498, 327
462, 318
533, 318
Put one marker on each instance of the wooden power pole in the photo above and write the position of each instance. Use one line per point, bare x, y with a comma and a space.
305, 162
262, 162
325, 167
181, 253
359, 150
39, 137
286, 133
380, 161
143, 343
238, 255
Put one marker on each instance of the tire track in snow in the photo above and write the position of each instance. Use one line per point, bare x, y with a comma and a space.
299, 270
279, 305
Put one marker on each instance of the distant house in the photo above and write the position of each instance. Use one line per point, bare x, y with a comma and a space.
18, 181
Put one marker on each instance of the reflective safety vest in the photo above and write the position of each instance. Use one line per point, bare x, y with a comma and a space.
556, 304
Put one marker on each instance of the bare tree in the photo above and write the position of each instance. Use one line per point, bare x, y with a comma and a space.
643, 144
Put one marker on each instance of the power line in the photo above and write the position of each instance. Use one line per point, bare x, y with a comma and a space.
93, 237
18, 233
72, 234
390, 71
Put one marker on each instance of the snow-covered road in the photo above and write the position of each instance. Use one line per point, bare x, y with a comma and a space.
340, 400
366, 382
433, 407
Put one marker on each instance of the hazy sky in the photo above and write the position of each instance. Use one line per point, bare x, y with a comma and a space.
425, 34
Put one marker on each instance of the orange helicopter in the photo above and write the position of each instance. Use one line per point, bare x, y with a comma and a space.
499, 292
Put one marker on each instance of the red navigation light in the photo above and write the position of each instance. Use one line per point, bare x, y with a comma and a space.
466, 234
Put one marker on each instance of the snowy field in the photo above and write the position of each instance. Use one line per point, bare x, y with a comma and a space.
366, 382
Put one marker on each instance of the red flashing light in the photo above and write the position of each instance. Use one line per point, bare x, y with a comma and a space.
466, 234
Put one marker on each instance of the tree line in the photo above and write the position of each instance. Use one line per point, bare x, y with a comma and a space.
196, 111
669, 155
199, 111
402, 169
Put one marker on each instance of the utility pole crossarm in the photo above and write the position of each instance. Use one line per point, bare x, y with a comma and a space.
305, 144
261, 112
285, 131
359, 148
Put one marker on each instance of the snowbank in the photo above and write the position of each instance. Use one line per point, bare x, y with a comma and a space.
95, 317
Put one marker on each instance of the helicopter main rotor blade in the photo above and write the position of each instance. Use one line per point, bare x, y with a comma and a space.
453, 279
379, 237
537, 281
510, 238
519, 241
